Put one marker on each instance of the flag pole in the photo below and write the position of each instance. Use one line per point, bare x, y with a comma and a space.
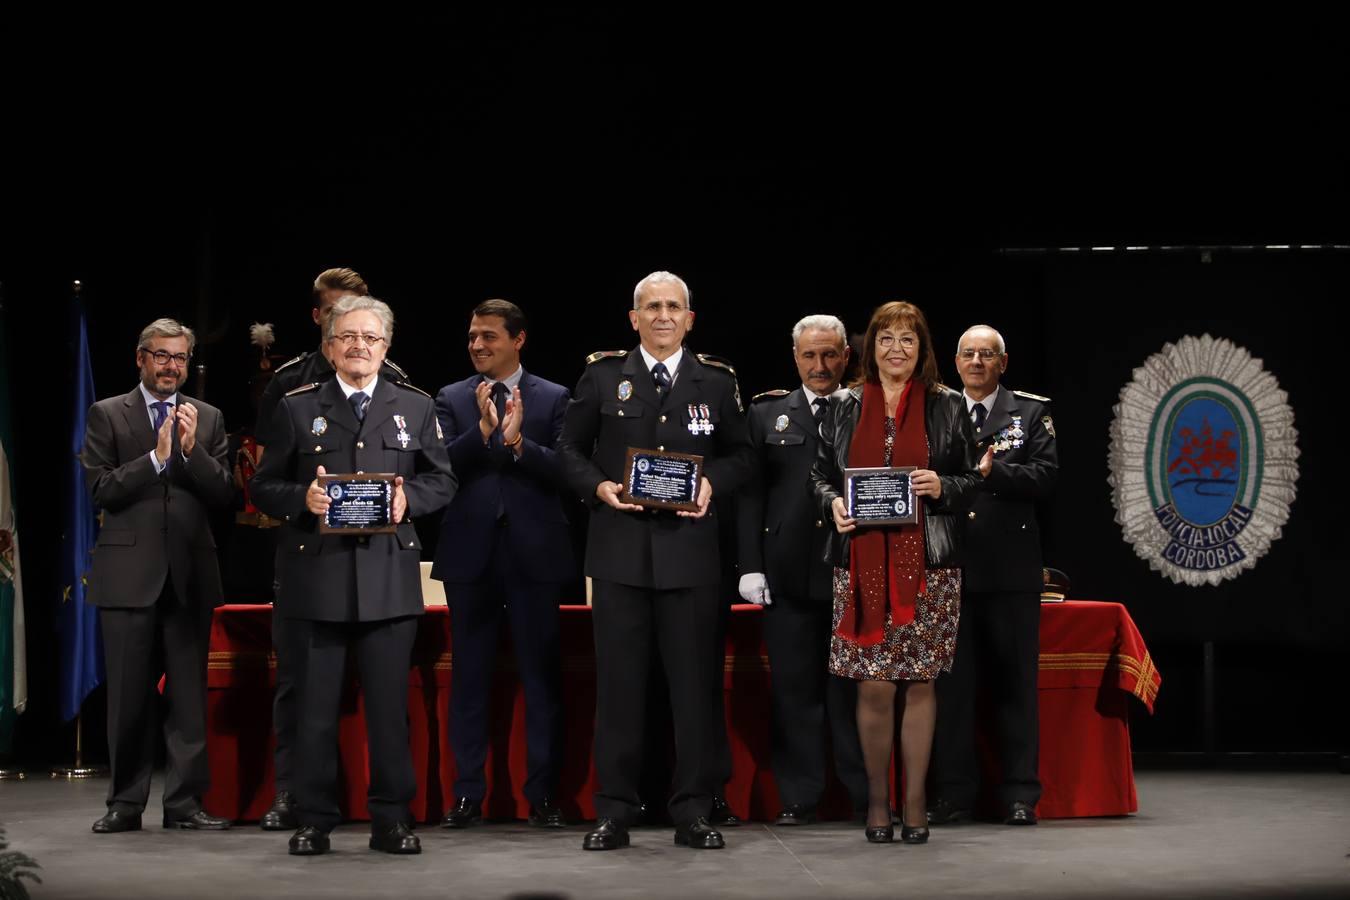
79, 770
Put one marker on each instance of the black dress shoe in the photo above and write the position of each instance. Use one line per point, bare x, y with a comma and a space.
546, 814
1021, 813
721, 814
796, 814
947, 813
201, 820
114, 821
606, 835
396, 839
466, 812
699, 835
281, 817
913, 834
309, 841
880, 834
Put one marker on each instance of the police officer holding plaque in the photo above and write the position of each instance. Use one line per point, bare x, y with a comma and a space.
652, 551
350, 563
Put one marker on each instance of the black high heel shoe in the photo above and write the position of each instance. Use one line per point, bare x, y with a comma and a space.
913, 834
880, 834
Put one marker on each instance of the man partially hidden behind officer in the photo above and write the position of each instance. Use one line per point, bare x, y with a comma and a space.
998, 641
310, 367
504, 543
654, 572
357, 592
781, 542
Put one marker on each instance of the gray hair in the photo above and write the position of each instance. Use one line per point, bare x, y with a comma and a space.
352, 303
822, 323
170, 328
662, 278
998, 338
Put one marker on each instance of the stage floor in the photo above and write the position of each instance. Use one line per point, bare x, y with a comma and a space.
1199, 834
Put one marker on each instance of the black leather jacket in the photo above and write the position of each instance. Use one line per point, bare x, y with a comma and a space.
951, 453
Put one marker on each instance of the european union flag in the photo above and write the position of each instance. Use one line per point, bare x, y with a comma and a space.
81, 646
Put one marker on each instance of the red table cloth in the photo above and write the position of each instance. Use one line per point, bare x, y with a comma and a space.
1092, 661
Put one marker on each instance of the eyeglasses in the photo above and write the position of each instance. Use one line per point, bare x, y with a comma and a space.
669, 307
986, 355
164, 357
887, 341
347, 338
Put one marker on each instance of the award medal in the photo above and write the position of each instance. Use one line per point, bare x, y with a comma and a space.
699, 419
707, 418
319, 426
403, 436
625, 389
781, 423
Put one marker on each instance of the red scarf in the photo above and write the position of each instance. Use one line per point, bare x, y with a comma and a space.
886, 565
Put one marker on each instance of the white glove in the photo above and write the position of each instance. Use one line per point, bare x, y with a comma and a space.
754, 588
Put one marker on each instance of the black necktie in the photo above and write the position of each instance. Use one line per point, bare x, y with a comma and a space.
978, 412
822, 405
499, 400
359, 401
661, 375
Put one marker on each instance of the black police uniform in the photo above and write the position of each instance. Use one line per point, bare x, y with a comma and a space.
363, 591
998, 642
653, 572
781, 535
310, 367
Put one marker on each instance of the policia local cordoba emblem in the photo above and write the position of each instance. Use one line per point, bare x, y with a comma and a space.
1203, 460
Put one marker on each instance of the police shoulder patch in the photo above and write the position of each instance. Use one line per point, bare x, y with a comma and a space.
304, 388
769, 395
605, 354
293, 361
1036, 397
412, 387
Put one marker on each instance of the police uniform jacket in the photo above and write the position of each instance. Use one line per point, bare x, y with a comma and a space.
345, 578
615, 407
951, 454
1003, 540
779, 530
310, 367
155, 525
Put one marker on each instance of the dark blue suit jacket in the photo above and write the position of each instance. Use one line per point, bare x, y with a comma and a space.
490, 478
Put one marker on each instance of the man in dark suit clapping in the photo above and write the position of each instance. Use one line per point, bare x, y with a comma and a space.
504, 545
155, 461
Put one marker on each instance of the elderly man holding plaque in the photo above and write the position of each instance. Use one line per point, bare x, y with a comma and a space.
649, 436
999, 641
897, 575
350, 462
780, 538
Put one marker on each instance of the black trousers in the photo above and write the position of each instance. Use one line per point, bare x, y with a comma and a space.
285, 712
684, 621
138, 645
998, 655
805, 697
383, 652
475, 617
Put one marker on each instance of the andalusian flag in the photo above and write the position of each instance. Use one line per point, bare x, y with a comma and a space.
13, 663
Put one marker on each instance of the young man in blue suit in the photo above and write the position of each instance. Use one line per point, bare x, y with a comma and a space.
504, 545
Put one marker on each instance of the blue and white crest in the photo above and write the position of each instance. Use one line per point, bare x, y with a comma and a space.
1203, 460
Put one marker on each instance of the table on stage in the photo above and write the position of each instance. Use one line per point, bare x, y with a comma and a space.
1093, 661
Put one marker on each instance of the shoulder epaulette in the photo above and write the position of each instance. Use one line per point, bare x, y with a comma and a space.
303, 388
718, 362
605, 354
397, 368
779, 392
1032, 396
414, 388
291, 362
